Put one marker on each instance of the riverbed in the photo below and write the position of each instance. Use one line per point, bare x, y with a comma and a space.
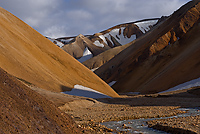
140, 125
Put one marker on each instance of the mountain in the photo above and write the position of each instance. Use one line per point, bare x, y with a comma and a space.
34, 59
97, 61
25, 111
82, 47
89, 46
164, 57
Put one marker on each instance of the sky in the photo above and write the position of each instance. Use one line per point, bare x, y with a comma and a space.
64, 18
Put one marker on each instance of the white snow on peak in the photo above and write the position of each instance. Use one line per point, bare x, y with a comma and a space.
98, 44
186, 85
103, 38
145, 25
66, 41
119, 37
86, 55
80, 90
58, 43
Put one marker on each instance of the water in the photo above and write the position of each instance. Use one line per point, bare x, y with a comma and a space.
140, 125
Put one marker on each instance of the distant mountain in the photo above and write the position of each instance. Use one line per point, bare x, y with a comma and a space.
25, 111
85, 47
29, 56
164, 57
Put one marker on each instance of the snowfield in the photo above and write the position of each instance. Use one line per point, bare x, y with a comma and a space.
80, 90
86, 55
66, 41
145, 25
103, 38
98, 44
119, 37
186, 85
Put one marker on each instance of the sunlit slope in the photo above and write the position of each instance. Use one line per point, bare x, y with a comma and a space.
28, 55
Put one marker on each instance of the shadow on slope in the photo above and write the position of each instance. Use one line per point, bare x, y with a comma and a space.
182, 98
79, 90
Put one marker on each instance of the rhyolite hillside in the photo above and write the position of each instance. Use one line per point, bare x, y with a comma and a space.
164, 57
29, 56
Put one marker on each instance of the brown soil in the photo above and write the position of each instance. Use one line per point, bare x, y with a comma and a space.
25, 111
88, 113
183, 125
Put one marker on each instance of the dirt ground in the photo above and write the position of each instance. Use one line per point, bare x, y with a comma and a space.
182, 125
89, 113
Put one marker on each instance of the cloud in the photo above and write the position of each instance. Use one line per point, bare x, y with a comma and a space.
56, 18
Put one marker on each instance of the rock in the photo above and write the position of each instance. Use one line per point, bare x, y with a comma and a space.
124, 125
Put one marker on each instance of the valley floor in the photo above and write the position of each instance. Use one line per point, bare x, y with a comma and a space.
89, 113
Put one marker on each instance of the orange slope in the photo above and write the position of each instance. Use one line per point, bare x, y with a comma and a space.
28, 55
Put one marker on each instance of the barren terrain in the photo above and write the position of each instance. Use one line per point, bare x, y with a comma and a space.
88, 112
25, 111
31, 57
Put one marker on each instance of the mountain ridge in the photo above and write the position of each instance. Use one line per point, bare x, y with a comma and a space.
122, 64
30, 56
107, 39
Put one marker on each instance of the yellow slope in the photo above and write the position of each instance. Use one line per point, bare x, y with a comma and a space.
28, 55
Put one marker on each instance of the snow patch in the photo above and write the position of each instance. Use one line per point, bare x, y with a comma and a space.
145, 25
94, 69
66, 41
58, 43
186, 85
103, 38
98, 44
86, 55
80, 90
120, 38
112, 83
134, 93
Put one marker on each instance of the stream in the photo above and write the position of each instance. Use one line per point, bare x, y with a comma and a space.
140, 125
